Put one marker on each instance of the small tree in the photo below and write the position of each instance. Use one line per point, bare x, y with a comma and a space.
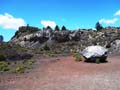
48, 27
44, 28
46, 47
98, 26
63, 28
57, 28
27, 25
1, 38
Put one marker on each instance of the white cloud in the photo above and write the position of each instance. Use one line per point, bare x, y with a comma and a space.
46, 23
117, 13
7, 21
108, 21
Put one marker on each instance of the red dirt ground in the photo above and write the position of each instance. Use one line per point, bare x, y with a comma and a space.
63, 73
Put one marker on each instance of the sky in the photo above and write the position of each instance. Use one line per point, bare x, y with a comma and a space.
73, 14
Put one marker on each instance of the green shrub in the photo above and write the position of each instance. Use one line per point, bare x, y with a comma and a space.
6, 69
46, 47
74, 54
41, 49
24, 49
78, 57
46, 56
4, 66
98, 61
2, 57
31, 62
20, 69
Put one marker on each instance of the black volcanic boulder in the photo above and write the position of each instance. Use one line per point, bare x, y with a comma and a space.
61, 36
93, 53
21, 56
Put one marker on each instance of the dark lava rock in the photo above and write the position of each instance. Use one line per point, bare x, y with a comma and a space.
21, 56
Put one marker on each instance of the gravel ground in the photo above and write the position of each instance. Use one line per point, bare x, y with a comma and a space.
64, 73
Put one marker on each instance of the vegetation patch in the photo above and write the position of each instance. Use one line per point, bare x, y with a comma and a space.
2, 57
77, 57
31, 62
4, 66
46, 47
20, 69
98, 61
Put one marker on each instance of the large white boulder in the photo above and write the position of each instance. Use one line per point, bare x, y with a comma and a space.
94, 52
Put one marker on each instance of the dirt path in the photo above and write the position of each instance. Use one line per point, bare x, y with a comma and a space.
66, 74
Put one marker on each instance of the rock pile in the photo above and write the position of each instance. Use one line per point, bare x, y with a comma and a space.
33, 37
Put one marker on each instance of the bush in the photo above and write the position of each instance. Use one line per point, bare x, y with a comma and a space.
77, 57
2, 57
74, 54
4, 66
20, 69
46, 47
31, 62
98, 61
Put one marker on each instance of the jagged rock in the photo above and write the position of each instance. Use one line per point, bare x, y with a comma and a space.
115, 47
92, 53
61, 36
75, 35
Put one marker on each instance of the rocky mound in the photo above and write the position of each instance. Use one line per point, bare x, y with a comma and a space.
32, 37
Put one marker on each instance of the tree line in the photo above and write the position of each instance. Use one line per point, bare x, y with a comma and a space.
57, 28
98, 27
